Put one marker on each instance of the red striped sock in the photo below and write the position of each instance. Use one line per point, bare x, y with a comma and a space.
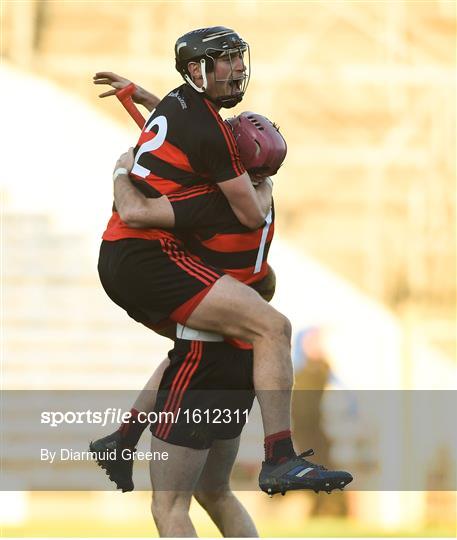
279, 447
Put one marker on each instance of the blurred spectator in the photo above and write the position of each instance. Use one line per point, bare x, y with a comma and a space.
312, 374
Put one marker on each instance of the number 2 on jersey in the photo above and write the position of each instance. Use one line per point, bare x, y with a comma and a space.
150, 145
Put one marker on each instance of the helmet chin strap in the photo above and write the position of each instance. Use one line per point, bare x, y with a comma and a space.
227, 102
205, 80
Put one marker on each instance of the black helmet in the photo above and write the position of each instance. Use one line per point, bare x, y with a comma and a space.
205, 45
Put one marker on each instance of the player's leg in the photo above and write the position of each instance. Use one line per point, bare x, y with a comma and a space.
236, 310
119, 469
146, 399
173, 482
215, 496
209, 376
155, 280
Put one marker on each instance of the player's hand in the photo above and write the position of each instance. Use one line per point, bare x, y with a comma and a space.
257, 179
267, 286
125, 160
117, 82
139, 96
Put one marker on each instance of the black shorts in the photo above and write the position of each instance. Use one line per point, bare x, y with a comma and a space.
206, 392
154, 280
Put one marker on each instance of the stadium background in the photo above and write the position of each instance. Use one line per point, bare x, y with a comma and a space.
365, 95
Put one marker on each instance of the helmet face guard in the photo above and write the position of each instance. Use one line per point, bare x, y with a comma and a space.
208, 45
238, 84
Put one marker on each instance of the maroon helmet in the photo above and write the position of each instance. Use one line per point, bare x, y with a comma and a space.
262, 147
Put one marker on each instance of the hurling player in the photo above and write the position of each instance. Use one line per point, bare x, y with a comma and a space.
203, 374
186, 145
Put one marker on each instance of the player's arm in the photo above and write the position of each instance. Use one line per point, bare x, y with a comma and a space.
134, 209
221, 160
140, 96
250, 205
179, 211
264, 190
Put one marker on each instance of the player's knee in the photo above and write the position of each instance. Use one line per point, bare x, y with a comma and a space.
285, 328
278, 327
213, 498
165, 503
156, 509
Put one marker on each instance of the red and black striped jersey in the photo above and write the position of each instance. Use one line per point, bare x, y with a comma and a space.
212, 233
184, 144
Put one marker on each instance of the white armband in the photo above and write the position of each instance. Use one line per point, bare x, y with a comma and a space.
118, 171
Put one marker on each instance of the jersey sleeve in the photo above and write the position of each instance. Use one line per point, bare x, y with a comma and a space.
219, 154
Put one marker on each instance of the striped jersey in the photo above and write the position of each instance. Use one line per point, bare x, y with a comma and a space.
213, 234
184, 144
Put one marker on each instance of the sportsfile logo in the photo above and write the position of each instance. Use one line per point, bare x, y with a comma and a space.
108, 416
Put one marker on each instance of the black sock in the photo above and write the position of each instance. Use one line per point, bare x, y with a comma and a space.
132, 429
